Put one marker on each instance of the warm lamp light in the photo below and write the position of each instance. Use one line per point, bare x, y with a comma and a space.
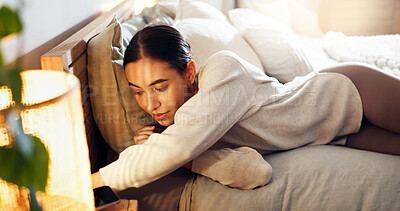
55, 115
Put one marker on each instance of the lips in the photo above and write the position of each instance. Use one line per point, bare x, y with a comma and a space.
160, 116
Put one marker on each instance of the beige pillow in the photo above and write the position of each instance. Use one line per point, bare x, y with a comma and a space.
275, 9
277, 47
207, 37
114, 107
305, 21
198, 9
209, 32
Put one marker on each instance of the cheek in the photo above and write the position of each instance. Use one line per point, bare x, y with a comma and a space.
166, 99
141, 102
174, 97
183, 94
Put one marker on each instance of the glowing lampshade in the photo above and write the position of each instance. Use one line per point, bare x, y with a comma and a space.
54, 114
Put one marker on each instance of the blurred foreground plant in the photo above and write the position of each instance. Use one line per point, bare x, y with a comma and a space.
25, 161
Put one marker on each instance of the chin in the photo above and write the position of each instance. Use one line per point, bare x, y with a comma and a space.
165, 123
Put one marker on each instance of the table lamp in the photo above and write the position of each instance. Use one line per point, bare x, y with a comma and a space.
54, 114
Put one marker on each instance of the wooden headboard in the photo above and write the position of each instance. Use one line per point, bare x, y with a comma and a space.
70, 56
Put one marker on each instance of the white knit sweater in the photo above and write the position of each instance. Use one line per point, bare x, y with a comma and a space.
239, 105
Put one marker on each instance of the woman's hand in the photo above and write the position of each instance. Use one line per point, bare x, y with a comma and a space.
97, 180
143, 134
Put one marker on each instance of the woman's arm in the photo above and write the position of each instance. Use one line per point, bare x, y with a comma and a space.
225, 95
242, 168
97, 180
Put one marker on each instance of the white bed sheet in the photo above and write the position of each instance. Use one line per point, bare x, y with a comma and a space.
382, 51
312, 48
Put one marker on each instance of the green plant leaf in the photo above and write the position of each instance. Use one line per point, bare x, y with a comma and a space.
39, 164
3, 77
9, 22
31, 172
12, 79
11, 164
1, 61
21, 141
26, 162
34, 205
15, 84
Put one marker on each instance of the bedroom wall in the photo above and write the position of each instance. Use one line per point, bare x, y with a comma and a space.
47, 23
360, 17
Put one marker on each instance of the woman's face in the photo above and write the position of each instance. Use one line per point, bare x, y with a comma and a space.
159, 89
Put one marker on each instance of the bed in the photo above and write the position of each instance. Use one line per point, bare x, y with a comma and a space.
328, 177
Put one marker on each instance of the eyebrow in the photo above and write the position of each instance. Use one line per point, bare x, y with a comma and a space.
152, 84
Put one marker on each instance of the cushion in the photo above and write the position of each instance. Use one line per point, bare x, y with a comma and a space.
198, 9
275, 9
323, 177
115, 109
207, 37
169, 7
116, 112
159, 14
304, 20
299, 15
276, 45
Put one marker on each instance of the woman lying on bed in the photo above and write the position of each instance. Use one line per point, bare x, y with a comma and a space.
231, 103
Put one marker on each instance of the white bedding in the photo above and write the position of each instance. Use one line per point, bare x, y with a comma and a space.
314, 177
312, 48
382, 51
321, 177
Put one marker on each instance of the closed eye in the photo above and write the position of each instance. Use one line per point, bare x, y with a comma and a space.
137, 92
162, 89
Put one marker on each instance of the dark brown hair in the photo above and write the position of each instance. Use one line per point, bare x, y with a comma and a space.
159, 42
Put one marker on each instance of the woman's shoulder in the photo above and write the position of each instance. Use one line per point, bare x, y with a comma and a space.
220, 66
223, 57
222, 62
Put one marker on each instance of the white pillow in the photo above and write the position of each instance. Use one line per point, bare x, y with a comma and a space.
299, 15
276, 45
304, 20
169, 7
207, 37
198, 9
275, 9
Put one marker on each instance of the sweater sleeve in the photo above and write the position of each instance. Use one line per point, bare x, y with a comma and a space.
225, 95
242, 168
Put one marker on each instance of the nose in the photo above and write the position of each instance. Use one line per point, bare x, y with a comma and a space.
152, 103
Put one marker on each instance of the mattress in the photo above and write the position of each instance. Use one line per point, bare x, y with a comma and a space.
321, 177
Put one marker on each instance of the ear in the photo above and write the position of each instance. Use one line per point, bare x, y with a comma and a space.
191, 71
